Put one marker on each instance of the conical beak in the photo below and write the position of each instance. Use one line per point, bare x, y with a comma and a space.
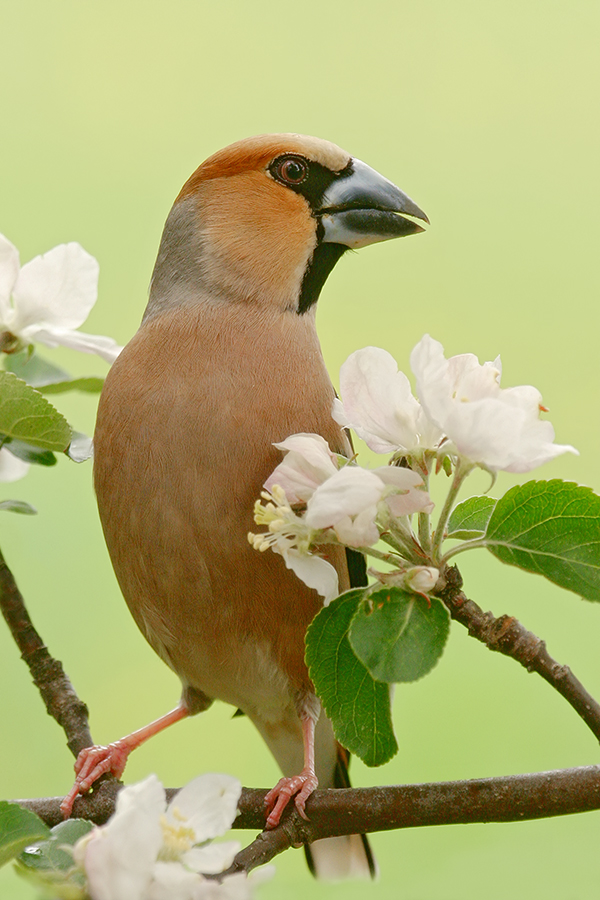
364, 208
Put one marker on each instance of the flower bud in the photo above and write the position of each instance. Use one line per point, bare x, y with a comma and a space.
421, 579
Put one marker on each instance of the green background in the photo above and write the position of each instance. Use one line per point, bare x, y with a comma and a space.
487, 115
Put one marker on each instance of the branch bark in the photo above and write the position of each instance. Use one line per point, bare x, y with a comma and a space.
506, 635
57, 692
514, 798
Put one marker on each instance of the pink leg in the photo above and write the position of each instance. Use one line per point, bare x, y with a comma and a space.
93, 762
301, 785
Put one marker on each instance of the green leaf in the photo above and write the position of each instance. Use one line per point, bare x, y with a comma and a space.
30, 454
470, 518
358, 706
399, 635
90, 385
27, 416
18, 506
48, 856
33, 369
552, 528
48, 378
18, 828
50, 865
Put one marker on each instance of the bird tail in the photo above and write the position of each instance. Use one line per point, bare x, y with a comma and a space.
347, 856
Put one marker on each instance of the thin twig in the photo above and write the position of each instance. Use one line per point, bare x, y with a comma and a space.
58, 694
506, 635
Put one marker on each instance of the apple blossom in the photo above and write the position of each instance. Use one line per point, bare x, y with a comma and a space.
342, 505
149, 850
378, 404
348, 502
48, 298
488, 426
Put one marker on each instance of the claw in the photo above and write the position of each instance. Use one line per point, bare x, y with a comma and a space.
90, 765
277, 799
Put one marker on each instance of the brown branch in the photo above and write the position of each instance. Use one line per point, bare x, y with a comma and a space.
514, 798
58, 694
506, 635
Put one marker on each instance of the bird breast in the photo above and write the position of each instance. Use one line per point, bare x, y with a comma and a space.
183, 445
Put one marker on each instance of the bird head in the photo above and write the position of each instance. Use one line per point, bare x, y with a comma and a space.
265, 220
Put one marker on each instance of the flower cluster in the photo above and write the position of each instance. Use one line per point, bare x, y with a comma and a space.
45, 301
342, 503
149, 850
461, 412
460, 419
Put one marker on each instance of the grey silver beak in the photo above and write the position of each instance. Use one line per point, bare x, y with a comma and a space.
364, 207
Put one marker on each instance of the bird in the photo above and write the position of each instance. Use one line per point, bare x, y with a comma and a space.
225, 364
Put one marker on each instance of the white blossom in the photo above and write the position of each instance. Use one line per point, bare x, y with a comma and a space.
11, 468
340, 503
348, 502
378, 404
308, 463
149, 850
49, 298
490, 426
290, 536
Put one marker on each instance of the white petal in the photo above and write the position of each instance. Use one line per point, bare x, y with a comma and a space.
312, 447
399, 476
57, 289
500, 429
307, 464
119, 857
105, 347
209, 803
235, 887
360, 531
11, 468
171, 881
414, 499
431, 369
470, 381
9, 271
347, 493
315, 572
211, 859
146, 798
377, 401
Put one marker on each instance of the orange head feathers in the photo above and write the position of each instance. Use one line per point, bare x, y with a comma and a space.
266, 219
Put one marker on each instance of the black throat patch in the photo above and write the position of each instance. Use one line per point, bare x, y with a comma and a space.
323, 260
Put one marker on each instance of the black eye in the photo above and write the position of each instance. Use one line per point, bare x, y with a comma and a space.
290, 169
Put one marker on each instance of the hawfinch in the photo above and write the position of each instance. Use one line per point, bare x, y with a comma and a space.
226, 363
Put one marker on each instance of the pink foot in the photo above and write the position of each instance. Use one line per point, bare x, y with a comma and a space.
91, 763
277, 799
